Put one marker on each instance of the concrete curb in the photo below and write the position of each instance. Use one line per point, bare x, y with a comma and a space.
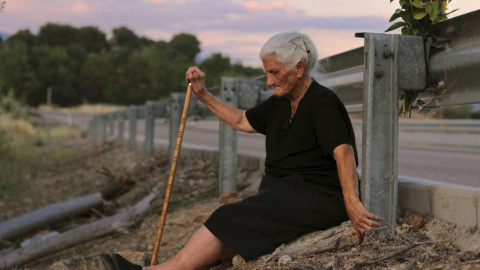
454, 203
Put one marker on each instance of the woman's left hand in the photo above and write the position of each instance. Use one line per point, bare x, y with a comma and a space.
362, 220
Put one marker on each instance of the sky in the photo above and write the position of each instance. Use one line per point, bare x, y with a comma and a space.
236, 28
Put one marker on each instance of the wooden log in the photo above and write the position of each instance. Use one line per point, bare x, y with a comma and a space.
78, 235
48, 215
323, 246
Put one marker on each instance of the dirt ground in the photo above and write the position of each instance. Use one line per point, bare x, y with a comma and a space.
419, 243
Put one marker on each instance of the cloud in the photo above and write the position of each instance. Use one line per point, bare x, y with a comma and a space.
81, 8
272, 5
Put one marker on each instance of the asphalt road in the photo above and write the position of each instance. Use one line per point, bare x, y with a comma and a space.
457, 162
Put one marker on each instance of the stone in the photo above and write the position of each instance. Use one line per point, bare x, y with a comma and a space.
58, 266
284, 260
417, 222
238, 260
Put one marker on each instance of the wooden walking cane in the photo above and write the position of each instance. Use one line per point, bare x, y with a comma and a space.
171, 178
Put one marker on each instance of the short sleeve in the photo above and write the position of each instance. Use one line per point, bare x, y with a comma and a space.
258, 116
331, 127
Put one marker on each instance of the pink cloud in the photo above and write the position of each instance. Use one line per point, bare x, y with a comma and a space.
157, 1
81, 8
272, 5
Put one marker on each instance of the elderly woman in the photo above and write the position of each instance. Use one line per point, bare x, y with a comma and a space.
310, 180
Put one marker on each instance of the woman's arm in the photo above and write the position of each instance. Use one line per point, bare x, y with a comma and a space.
362, 220
230, 115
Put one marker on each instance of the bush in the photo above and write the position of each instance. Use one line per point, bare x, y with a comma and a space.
457, 112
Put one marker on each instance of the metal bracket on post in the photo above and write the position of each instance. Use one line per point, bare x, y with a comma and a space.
121, 126
176, 106
228, 139
249, 93
132, 146
387, 72
149, 128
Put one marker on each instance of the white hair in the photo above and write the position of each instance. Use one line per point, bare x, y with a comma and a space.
291, 48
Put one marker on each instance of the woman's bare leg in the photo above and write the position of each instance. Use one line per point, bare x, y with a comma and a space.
202, 251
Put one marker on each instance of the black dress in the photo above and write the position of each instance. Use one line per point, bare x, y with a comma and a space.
300, 191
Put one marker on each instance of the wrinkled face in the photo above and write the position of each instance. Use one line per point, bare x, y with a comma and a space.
283, 80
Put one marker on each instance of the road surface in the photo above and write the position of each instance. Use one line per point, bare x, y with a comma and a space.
441, 162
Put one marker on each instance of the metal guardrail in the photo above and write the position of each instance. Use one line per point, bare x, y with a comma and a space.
453, 74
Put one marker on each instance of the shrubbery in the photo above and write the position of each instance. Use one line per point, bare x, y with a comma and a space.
80, 65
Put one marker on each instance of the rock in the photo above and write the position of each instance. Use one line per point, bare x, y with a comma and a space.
331, 265
284, 260
200, 165
228, 197
417, 222
453, 259
58, 266
238, 260
405, 228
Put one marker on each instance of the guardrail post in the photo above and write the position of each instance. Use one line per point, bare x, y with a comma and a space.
98, 126
90, 128
149, 128
132, 113
120, 115
393, 63
176, 106
111, 121
103, 129
228, 140
380, 128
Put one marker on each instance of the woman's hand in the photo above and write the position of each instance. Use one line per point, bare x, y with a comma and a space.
362, 220
197, 78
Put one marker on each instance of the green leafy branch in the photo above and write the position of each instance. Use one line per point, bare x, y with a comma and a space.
419, 16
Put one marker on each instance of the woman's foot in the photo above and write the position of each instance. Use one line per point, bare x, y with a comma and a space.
117, 262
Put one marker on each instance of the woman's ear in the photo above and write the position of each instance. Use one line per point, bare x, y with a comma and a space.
300, 68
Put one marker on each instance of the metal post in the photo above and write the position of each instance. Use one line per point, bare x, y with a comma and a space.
393, 63
228, 140
90, 129
176, 106
103, 124
98, 126
121, 126
380, 128
132, 146
149, 128
111, 121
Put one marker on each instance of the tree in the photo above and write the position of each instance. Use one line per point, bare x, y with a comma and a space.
16, 73
24, 36
125, 38
53, 35
92, 39
185, 44
214, 67
55, 69
94, 78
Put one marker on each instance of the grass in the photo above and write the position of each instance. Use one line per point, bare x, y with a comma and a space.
174, 205
15, 161
19, 157
86, 108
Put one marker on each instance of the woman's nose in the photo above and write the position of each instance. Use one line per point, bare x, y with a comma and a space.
270, 81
